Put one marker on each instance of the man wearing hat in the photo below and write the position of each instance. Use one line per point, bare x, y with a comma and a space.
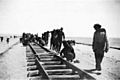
100, 45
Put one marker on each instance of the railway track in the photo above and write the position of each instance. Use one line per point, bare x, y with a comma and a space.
44, 64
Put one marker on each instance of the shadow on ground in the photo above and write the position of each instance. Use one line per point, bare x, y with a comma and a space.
93, 71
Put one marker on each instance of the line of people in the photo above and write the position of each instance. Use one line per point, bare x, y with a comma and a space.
7, 39
28, 37
56, 41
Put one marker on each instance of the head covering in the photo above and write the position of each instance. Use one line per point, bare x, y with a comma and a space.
97, 26
61, 28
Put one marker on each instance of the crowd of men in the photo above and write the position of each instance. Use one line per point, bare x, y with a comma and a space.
57, 36
28, 37
56, 40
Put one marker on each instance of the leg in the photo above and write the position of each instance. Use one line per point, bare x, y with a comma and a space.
60, 43
101, 58
98, 57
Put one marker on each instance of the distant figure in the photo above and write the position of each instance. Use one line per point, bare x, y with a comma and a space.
100, 44
45, 37
41, 41
7, 40
1, 39
14, 36
68, 51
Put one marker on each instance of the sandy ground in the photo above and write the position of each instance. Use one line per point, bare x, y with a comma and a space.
4, 46
13, 63
110, 64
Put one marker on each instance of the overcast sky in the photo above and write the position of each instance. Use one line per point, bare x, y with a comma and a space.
77, 17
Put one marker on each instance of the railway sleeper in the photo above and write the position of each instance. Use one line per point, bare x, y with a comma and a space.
59, 71
31, 60
47, 67
48, 59
30, 55
39, 50
31, 63
33, 73
64, 77
51, 62
45, 54
30, 68
28, 49
35, 78
37, 47
42, 51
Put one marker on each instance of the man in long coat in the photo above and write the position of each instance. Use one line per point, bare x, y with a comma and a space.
100, 44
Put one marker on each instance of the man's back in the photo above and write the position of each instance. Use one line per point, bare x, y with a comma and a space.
100, 37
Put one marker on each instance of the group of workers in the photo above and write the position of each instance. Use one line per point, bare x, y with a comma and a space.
28, 37
56, 40
99, 45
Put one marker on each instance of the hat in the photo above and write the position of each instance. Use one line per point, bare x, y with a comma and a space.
98, 26
61, 28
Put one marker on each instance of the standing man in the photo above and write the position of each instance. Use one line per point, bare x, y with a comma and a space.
61, 37
100, 44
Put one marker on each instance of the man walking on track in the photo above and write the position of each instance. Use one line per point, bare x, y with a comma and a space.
100, 45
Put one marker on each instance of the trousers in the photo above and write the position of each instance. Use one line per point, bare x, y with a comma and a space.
98, 58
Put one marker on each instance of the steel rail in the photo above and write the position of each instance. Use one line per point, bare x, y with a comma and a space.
40, 67
83, 74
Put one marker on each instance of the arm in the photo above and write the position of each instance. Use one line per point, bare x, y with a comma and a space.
63, 35
93, 42
106, 44
62, 51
